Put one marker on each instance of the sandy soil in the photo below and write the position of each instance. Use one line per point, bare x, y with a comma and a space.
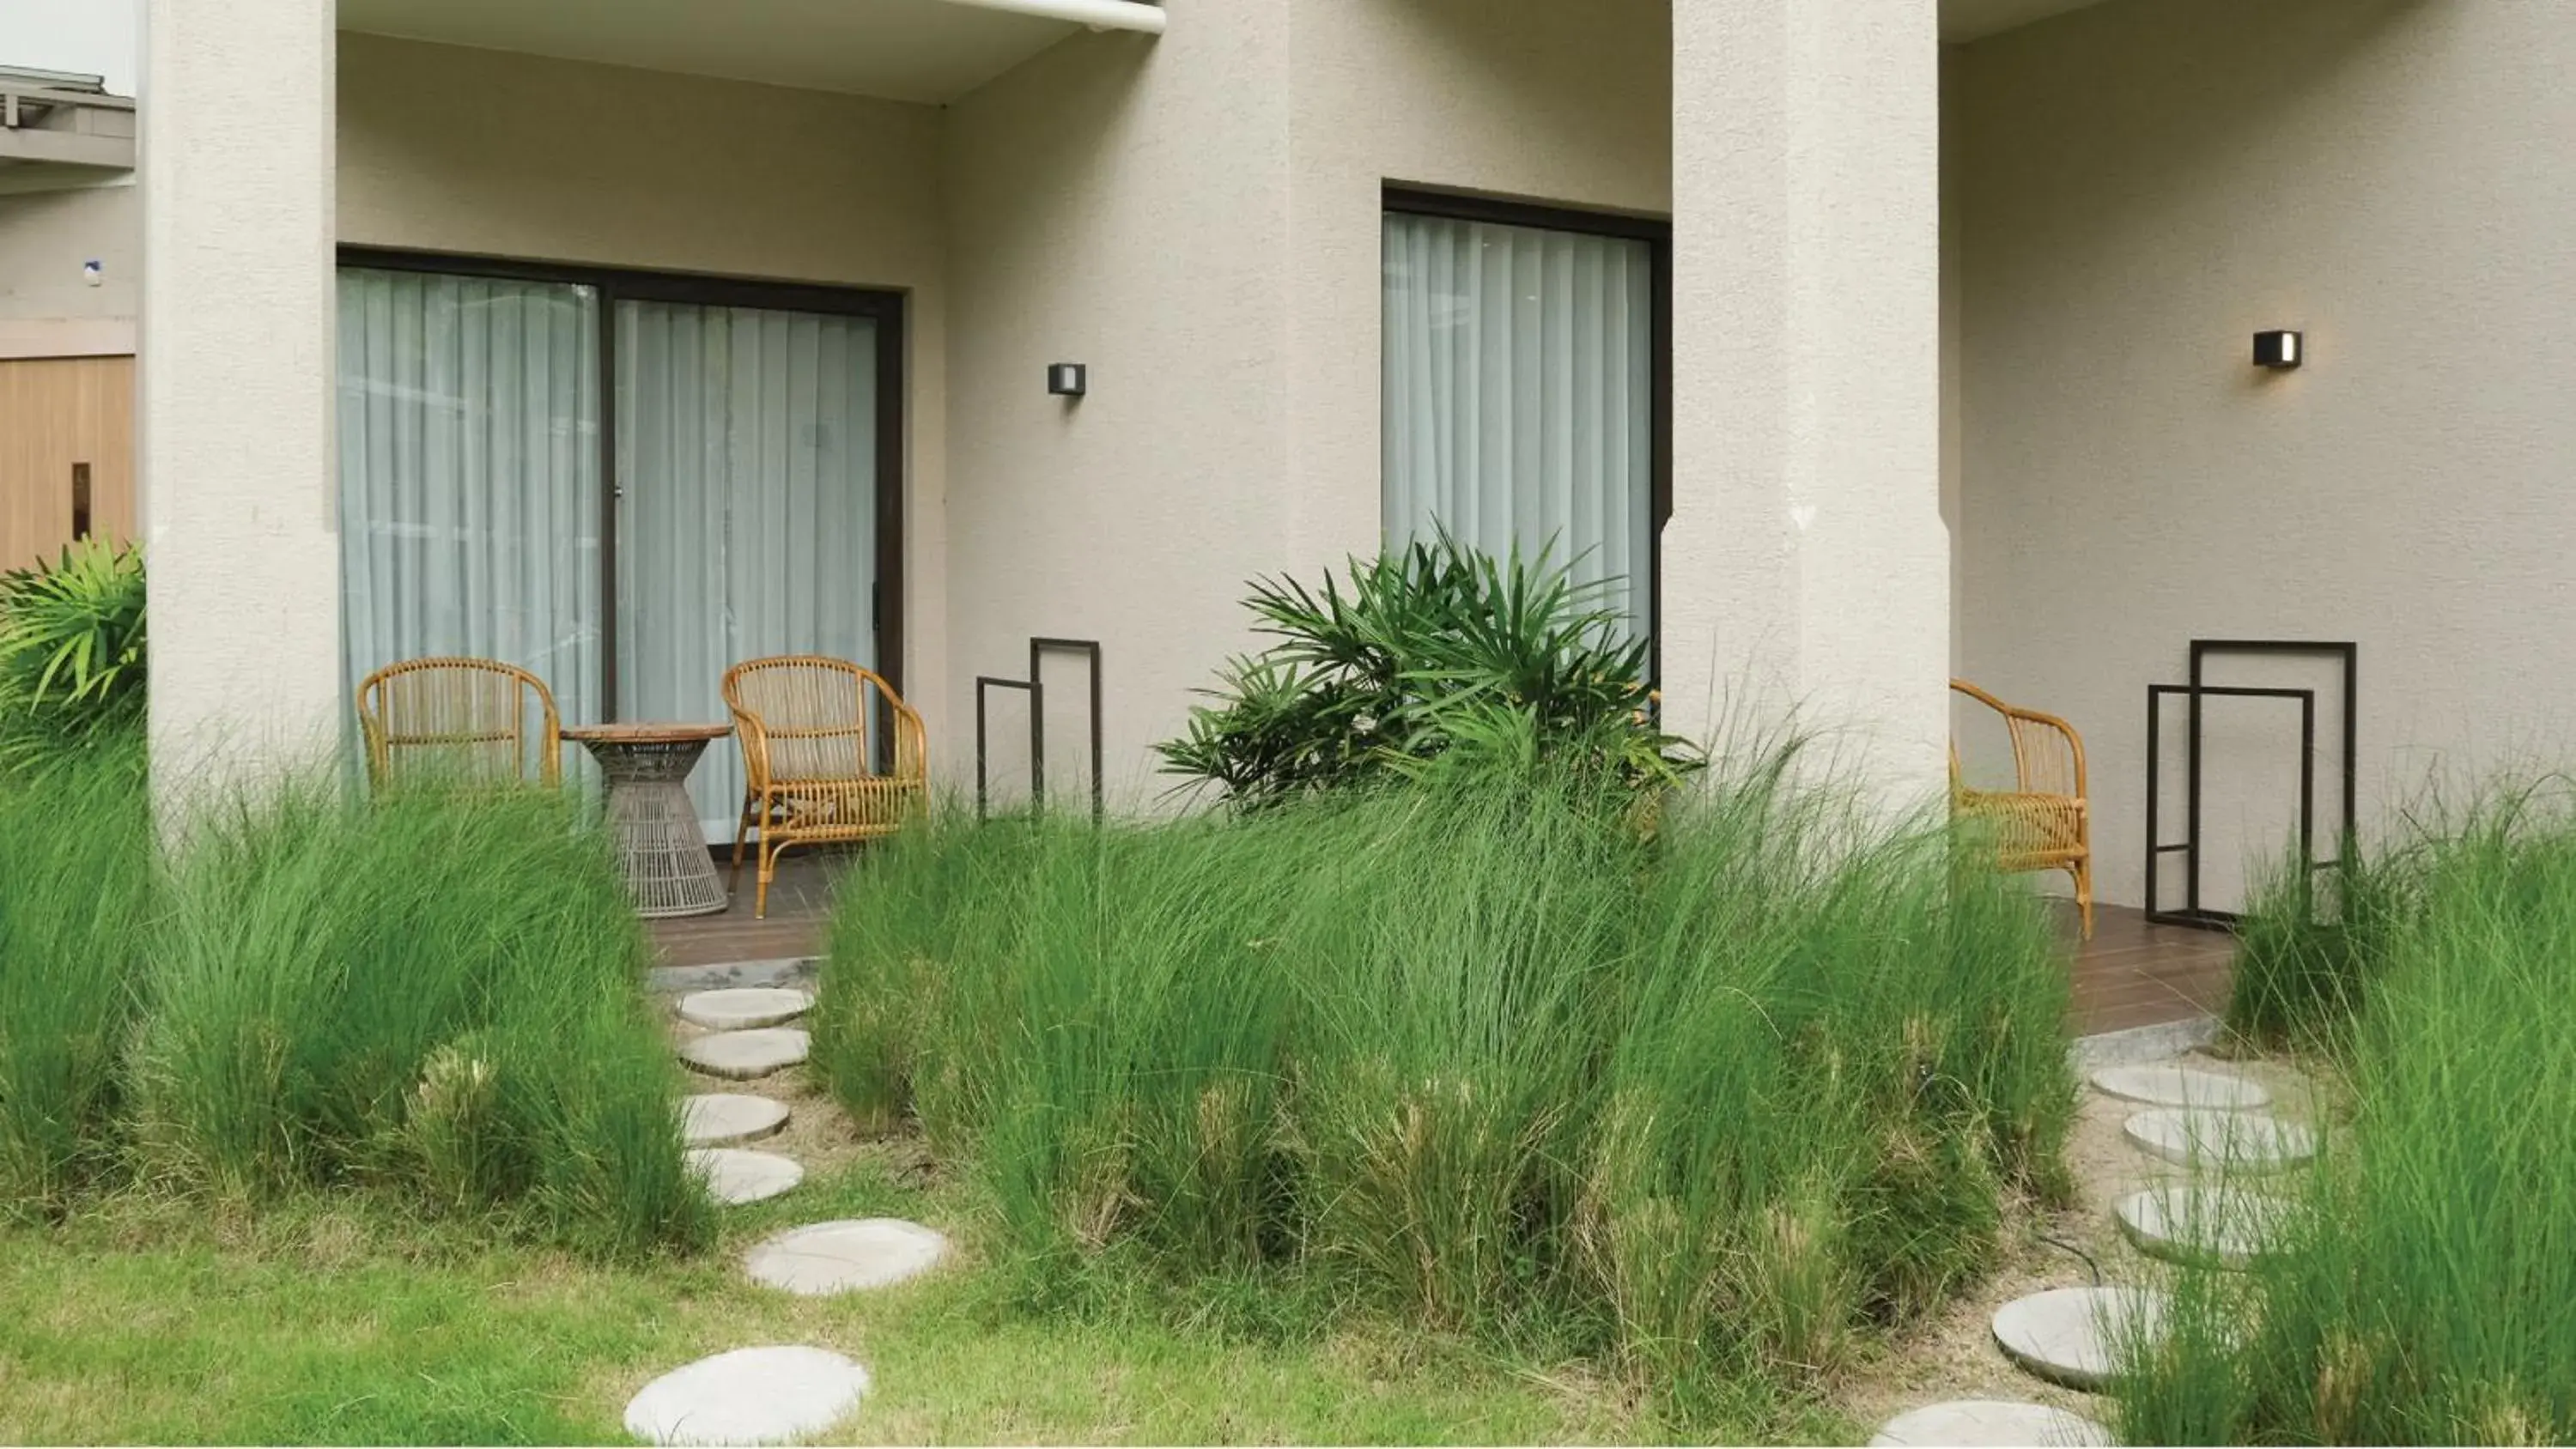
818, 1133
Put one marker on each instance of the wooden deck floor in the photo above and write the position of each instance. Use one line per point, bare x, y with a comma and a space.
2134, 973
2130, 974
798, 901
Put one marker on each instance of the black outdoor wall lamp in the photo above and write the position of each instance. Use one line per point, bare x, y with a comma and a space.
2280, 351
1068, 379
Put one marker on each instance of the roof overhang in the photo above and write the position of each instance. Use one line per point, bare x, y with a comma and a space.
930, 51
62, 130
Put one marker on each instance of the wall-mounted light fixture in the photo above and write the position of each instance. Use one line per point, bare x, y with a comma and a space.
2280, 350
1068, 379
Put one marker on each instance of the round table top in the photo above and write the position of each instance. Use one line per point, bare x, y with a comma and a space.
645, 732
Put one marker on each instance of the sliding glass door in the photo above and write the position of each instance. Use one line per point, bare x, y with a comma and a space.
1521, 389
746, 469
470, 476
717, 492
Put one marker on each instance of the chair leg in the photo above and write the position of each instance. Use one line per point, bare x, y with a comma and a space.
741, 830
768, 868
2082, 870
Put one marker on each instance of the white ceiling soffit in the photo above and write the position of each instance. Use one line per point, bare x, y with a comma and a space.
1976, 19
905, 50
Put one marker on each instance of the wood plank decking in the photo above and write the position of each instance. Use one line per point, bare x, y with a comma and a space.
2134, 973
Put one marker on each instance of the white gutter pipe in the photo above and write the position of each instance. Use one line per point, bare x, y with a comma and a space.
1098, 14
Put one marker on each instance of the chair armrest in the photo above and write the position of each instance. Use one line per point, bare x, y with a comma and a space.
754, 739
911, 743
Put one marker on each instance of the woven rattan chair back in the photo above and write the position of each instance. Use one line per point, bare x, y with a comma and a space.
474, 722
814, 714
2044, 822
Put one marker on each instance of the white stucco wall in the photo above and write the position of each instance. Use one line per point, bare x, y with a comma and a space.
1118, 202
2146, 184
45, 236
1529, 100
444, 148
1806, 567
1197, 219
234, 423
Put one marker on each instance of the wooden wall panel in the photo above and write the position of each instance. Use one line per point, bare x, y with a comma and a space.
57, 413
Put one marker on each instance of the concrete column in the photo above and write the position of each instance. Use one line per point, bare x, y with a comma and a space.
236, 390
1806, 567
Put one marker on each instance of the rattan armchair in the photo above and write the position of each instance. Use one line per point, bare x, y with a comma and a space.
461, 721
2043, 822
814, 732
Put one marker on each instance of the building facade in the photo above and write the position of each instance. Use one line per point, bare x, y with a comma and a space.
1866, 341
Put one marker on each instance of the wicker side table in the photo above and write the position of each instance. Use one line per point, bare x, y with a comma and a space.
659, 840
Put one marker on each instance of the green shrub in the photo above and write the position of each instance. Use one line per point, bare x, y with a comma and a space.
71, 651
2430, 1295
75, 898
436, 994
1707, 1104
1431, 647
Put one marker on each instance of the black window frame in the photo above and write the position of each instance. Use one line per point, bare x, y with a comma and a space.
1657, 234
613, 285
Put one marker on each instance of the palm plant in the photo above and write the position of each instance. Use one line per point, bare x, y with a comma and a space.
1427, 650
71, 649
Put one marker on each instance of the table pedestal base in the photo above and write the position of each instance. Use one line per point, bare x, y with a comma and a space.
664, 850
659, 841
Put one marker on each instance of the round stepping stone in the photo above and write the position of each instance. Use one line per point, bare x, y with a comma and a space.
2232, 1141
721, 1119
736, 1177
1974, 1423
741, 1008
845, 1256
772, 1395
2202, 1224
744, 1055
2168, 1085
2076, 1336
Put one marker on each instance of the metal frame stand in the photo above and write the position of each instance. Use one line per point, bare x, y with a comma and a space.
1035, 688
2193, 913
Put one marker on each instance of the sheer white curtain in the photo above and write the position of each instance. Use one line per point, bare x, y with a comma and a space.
746, 449
469, 476
1519, 374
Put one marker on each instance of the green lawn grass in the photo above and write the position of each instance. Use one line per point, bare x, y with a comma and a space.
342, 1320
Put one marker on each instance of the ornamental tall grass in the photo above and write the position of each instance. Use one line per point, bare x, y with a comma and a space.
437, 994
1708, 1100
2430, 1295
75, 903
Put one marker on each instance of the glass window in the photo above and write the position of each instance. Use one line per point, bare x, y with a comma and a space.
1519, 395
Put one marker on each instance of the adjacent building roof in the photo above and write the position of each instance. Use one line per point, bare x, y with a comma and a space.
62, 122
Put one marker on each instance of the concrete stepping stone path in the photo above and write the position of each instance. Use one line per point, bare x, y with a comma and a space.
2167, 1084
727, 1119
2202, 1224
2077, 1336
1977, 1422
734, 1176
2233, 1141
846, 1256
773, 1395
745, 1055
743, 1008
